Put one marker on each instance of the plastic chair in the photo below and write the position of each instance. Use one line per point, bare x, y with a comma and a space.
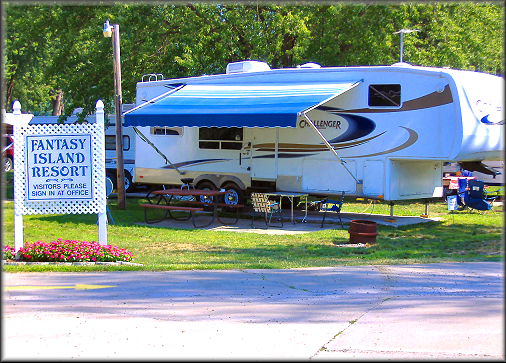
334, 206
262, 204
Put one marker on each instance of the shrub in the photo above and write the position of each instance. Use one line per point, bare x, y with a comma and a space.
69, 251
9, 253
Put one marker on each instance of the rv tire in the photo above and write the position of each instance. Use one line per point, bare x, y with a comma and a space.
205, 185
129, 186
112, 178
235, 195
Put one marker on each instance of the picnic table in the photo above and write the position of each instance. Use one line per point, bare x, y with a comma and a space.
204, 199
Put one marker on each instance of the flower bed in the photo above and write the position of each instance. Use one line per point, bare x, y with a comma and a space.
68, 251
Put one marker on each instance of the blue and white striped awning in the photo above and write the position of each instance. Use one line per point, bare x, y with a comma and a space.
235, 105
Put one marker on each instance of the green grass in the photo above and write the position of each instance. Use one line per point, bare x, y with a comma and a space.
459, 236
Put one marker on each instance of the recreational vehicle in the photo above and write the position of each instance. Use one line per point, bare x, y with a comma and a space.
128, 135
379, 132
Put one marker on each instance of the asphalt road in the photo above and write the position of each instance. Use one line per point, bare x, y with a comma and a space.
411, 312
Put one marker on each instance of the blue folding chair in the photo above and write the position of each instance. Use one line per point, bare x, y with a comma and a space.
461, 191
474, 196
490, 197
334, 206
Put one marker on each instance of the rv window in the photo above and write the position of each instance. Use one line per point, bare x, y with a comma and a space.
227, 138
385, 95
171, 131
110, 142
209, 145
231, 145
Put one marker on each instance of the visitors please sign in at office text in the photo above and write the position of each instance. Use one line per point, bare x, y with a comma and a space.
59, 167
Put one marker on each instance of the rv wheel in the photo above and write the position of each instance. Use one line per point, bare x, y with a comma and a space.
206, 185
129, 186
234, 195
112, 178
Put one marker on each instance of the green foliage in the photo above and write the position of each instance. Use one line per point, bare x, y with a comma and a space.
60, 48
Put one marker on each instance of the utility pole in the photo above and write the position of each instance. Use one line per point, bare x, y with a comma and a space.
120, 172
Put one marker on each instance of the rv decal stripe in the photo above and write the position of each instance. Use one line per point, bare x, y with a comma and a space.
193, 163
297, 148
358, 127
485, 120
433, 99
412, 138
282, 155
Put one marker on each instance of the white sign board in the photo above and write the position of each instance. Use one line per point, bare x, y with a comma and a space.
59, 167
452, 202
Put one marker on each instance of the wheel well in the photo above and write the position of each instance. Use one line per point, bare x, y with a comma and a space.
204, 181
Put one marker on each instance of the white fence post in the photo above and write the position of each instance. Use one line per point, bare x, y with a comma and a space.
102, 214
18, 216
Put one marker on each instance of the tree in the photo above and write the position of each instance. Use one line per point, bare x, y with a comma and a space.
58, 51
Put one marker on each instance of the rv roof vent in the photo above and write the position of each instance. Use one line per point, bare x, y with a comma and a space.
402, 64
309, 65
247, 66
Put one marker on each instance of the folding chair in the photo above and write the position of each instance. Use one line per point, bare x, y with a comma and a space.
261, 204
461, 191
332, 205
474, 196
490, 197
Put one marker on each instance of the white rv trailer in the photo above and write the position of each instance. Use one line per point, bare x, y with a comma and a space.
374, 131
129, 140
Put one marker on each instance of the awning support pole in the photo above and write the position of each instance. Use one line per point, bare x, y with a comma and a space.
330, 147
144, 138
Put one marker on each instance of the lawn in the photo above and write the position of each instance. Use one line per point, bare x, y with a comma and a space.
459, 236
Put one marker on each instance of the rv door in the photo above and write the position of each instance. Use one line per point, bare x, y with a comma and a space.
245, 152
264, 153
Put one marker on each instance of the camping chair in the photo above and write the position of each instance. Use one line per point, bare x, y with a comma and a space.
461, 191
262, 204
474, 196
490, 197
332, 205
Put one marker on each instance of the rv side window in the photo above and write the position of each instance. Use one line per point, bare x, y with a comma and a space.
110, 142
226, 138
171, 131
385, 95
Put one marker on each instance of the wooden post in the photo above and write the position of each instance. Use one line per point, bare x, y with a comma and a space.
120, 172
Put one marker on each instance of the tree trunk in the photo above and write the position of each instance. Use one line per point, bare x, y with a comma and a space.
8, 92
57, 103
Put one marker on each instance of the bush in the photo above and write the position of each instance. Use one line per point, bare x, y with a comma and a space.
9, 253
68, 251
